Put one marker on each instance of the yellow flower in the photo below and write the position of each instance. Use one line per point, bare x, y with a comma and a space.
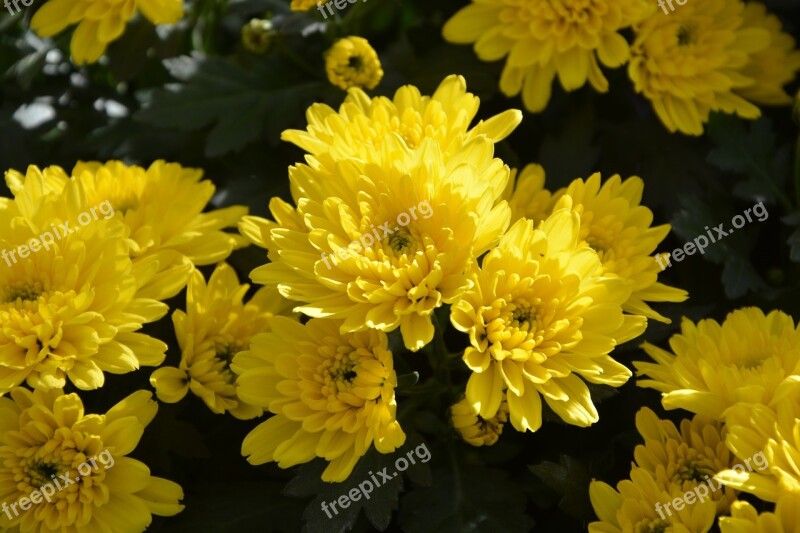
767, 441
70, 307
750, 357
539, 315
360, 128
99, 21
257, 36
543, 39
689, 63
163, 207
745, 519
527, 196
619, 229
352, 62
216, 326
632, 508
383, 244
303, 5
773, 67
332, 395
473, 428
680, 461
49, 445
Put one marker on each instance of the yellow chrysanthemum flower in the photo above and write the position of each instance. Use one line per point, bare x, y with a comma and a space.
545, 39
70, 307
527, 196
99, 21
163, 207
352, 62
750, 357
773, 67
619, 229
632, 508
383, 244
332, 395
360, 128
303, 5
682, 461
745, 519
689, 63
216, 326
76, 463
473, 428
539, 315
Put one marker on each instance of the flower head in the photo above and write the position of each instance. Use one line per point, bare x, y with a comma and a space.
257, 36
545, 39
690, 62
382, 244
71, 309
473, 428
163, 208
745, 519
680, 461
619, 229
362, 125
540, 316
50, 445
332, 395
750, 357
216, 326
773, 67
352, 62
99, 21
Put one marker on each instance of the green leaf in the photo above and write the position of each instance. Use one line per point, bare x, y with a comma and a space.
473, 499
359, 491
570, 479
239, 105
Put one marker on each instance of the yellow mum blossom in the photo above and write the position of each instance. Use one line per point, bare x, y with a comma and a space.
216, 326
773, 67
632, 508
750, 357
352, 62
685, 460
99, 21
745, 519
70, 309
77, 464
619, 229
539, 317
332, 395
163, 208
527, 196
383, 244
303, 5
689, 63
545, 39
473, 428
361, 126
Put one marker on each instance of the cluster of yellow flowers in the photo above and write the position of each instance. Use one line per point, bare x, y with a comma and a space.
72, 310
740, 379
715, 55
551, 297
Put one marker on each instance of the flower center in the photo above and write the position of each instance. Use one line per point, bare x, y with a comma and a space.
25, 291
685, 35
693, 469
42, 472
225, 352
355, 63
652, 526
